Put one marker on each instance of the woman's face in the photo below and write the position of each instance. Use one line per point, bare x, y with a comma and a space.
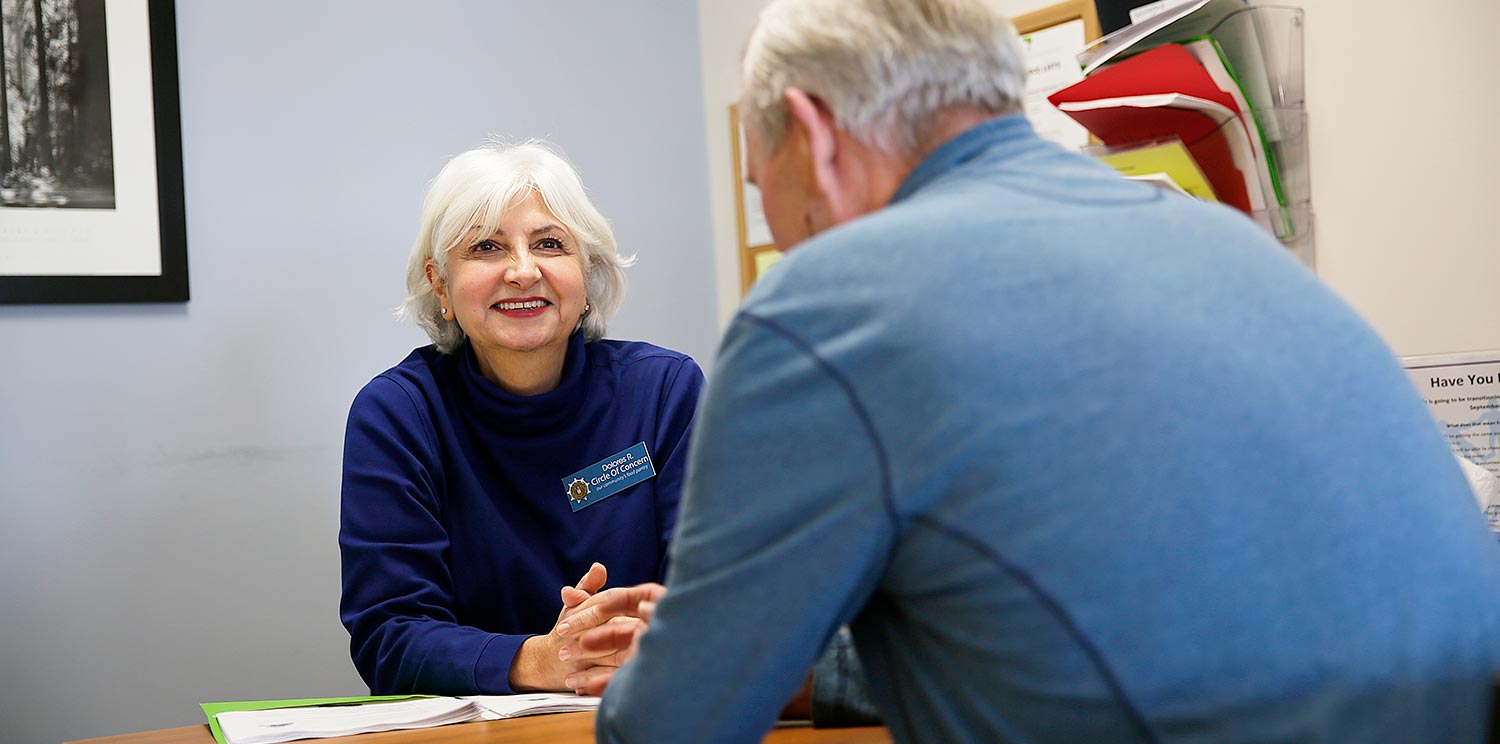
517, 293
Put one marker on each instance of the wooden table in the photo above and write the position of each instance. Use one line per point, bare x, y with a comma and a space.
559, 728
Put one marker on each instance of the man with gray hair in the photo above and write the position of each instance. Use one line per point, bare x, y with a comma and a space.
1077, 460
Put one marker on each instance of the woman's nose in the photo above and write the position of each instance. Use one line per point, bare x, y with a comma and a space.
523, 269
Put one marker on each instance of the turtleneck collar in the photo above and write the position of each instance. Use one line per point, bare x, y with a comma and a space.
528, 412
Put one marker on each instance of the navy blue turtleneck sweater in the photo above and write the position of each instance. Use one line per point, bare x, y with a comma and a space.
456, 529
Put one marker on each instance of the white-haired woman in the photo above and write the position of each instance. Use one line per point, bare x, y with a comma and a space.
488, 471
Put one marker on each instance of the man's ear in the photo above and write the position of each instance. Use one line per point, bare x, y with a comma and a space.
823, 143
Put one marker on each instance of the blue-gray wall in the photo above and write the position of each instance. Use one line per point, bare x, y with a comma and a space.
169, 473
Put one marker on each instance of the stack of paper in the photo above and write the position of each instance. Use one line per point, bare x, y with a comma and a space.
530, 704
270, 721
317, 722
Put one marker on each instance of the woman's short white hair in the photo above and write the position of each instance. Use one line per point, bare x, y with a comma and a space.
472, 192
884, 68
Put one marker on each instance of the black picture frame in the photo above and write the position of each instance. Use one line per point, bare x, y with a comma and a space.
171, 283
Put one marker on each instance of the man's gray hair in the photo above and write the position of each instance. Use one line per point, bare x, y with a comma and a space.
472, 192
884, 68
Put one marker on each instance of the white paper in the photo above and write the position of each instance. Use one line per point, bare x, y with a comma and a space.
1051, 65
1157, 8
530, 704
757, 230
1463, 393
1486, 488
320, 722
1159, 180
1186, 20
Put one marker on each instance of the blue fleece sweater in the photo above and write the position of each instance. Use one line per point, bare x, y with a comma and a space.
456, 529
1078, 461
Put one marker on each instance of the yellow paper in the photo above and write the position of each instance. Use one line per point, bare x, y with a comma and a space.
1170, 158
764, 260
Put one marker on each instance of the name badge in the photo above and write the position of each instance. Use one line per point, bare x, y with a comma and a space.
609, 476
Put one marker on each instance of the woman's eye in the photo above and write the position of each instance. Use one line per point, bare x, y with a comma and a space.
485, 246
549, 245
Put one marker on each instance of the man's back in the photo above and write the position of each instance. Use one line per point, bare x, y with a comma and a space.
1080, 461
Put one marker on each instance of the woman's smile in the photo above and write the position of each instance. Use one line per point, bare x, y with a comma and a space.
524, 307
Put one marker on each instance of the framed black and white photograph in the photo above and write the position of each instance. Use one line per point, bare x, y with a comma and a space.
91, 196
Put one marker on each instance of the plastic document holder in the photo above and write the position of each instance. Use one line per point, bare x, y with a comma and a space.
1273, 35
1232, 94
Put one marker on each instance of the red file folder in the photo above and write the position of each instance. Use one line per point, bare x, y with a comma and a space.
1165, 93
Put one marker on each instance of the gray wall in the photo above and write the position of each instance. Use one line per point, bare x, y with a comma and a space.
169, 474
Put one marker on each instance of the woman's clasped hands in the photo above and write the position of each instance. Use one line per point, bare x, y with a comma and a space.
594, 634
607, 626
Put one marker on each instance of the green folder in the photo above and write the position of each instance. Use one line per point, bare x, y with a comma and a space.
213, 709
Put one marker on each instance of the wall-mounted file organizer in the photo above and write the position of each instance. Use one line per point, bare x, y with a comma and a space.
1224, 78
1273, 36
1290, 217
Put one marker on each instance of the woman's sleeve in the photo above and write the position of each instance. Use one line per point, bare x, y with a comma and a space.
679, 403
397, 598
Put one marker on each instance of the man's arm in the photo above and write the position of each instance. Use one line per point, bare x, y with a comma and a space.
784, 531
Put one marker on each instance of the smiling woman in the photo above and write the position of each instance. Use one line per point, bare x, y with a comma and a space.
466, 206
461, 542
517, 292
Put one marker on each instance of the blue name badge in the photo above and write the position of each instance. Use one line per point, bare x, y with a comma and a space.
609, 476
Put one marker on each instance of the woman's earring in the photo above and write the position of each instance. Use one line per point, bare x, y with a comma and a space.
445, 313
